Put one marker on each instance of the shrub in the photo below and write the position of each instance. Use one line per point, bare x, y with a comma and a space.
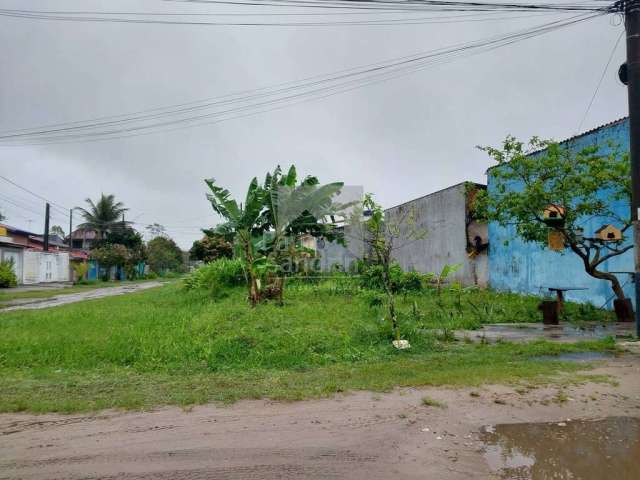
371, 276
80, 269
7, 276
214, 276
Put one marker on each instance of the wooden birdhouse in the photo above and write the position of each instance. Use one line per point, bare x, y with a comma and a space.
609, 233
554, 214
555, 240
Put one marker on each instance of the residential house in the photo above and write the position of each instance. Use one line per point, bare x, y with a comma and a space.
31, 263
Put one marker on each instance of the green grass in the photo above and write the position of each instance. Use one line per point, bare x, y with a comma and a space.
170, 346
7, 295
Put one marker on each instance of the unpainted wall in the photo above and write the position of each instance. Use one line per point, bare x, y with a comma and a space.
443, 217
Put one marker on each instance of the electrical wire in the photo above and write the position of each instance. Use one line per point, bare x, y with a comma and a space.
604, 72
320, 87
82, 16
430, 5
34, 194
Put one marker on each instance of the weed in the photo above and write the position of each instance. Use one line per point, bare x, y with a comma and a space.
431, 402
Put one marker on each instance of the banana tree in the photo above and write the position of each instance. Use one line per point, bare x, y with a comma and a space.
241, 220
292, 210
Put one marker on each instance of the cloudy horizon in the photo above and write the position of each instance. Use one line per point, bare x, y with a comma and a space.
400, 139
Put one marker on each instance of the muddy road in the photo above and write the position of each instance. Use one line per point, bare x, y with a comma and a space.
359, 435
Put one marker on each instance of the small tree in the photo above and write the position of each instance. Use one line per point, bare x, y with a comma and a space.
383, 235
240, 223
57, 230
156, 230
266, 226
163, 254
211, 247
111, 255
576, 185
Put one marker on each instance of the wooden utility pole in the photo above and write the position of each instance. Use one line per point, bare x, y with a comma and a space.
631, 10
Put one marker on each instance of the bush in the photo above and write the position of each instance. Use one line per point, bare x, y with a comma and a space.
214, 276
7, 276
371, 276
80, 269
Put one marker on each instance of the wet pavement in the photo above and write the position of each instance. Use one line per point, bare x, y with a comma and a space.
64, 299
567, 332
587, 450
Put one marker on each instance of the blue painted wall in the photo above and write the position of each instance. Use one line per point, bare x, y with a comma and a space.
526, 267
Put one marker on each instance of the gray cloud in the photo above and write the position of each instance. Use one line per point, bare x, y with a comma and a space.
399, 139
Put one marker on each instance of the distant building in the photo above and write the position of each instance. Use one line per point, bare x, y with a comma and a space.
519, 266
31, 263
83, 238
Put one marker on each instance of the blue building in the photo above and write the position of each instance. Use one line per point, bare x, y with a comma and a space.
518, 266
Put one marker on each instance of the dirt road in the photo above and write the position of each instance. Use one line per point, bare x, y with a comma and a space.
66, 298
354, 436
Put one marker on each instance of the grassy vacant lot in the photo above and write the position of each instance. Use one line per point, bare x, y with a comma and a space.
170, 346
9, 294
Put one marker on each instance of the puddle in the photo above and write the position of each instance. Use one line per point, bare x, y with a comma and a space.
578, 357
562, 333
585, 450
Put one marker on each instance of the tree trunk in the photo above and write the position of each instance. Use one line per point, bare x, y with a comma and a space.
390, 297
610, 277
254, 296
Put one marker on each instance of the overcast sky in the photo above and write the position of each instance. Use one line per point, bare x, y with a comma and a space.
400, 139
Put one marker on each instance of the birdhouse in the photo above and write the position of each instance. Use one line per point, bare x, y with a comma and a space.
609, 233
555, 240
554, 214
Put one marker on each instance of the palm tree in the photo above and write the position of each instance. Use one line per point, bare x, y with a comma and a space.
103, 215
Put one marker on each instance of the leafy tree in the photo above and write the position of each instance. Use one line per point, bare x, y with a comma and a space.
163, 255
156, 230
111, 255
122, 236
383, 234
2, 217
210, 248
57, 230
103, 215
582, 184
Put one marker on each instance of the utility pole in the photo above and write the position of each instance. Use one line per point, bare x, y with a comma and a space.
631, 9
70, 227
46, 228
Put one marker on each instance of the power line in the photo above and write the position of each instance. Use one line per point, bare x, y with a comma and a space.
430, 5
289, 93
33, 193
604, 72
